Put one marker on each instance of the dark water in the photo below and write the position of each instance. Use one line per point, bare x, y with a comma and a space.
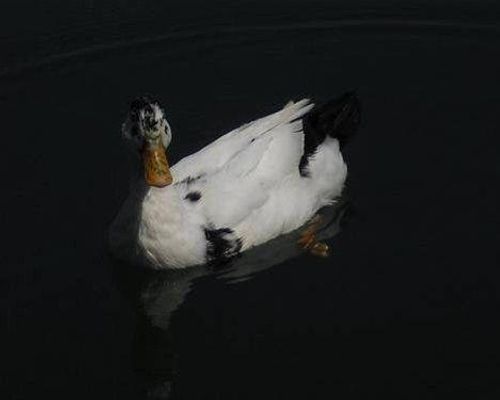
406, 307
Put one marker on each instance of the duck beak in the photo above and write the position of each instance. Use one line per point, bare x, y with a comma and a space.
156, 169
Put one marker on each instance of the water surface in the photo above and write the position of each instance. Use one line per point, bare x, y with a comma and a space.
407, 304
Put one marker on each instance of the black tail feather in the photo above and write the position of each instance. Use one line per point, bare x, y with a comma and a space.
338, 118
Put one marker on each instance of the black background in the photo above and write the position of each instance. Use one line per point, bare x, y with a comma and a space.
407, 306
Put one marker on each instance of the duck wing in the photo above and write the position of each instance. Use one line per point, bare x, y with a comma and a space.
217, 154
248, 178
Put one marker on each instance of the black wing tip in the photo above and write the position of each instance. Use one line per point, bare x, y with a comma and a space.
338, 118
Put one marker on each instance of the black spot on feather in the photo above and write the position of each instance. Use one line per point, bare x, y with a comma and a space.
190, 179
222, 245
193, 196
338, 118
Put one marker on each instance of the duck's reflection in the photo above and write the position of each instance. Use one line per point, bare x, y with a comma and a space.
159, 294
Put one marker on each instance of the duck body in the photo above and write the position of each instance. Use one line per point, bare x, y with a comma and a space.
264, 179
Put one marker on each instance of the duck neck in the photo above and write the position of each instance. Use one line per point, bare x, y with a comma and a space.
140, 209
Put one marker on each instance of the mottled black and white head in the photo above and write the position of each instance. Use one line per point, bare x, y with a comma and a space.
149, 132
146, 123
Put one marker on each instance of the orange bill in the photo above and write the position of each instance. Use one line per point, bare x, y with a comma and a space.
156, 169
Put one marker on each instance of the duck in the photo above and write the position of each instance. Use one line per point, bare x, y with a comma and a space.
266, 178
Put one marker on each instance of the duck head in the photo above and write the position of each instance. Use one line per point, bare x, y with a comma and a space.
149, 132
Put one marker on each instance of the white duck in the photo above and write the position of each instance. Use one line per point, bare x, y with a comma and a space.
264, 179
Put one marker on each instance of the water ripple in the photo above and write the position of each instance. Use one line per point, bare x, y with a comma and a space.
362, 25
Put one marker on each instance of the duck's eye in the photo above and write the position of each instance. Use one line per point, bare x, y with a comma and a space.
134, 115
134, 132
